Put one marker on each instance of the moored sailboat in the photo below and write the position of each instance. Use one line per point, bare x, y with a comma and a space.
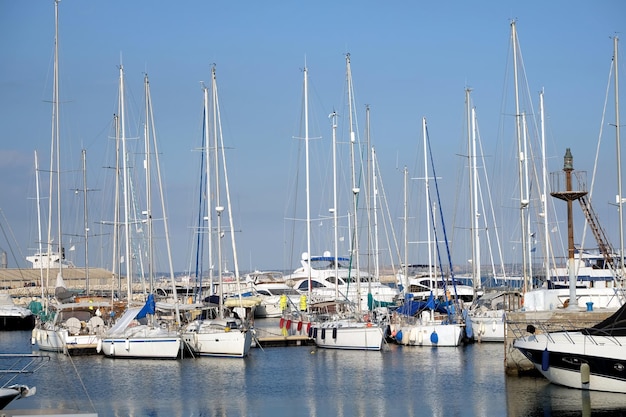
217, 333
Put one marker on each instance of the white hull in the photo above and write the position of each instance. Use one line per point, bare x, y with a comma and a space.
217, 338
347, 335
488, 327
563, 357
62, 341
164, 346
430, 334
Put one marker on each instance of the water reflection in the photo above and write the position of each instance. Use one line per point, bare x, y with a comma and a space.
305, 381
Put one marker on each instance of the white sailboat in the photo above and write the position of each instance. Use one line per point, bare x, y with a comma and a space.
67, 326
346, 325
219, 332
137, 334
487, 315
429, 328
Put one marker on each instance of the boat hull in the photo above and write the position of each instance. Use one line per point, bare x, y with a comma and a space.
488, 327
577, 360
217, 337
430, 335
346, 336
61, 341
141, 347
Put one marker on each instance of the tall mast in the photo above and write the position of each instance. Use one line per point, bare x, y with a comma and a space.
55, 153
125, 189
334, 210
209, 209
619, 161
545, 190
86, 220
476, 212
308, 179
431, 261
355, 188
521, 156
148, 170
219, 209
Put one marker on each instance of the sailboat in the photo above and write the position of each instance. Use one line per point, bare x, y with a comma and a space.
435, 325
219, 331
487, 314
66, 326
341, 322
138, 334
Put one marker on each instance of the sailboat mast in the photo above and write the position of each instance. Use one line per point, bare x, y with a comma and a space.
148, 170
307, 178
209, 209
86, 220
355, 188
619, 161
521, 156
545, 189
334, 210
472, 184
125, 189
151, 128
406, 230
43, 287
55, 152
219, 209
375, 209
431, 261
476, 212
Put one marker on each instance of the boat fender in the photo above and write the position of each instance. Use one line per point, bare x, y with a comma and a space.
545, 360
323, 333
308, 328
420, 337
369, 324
299, 326
112, 348
493, 326
99, 346
127, 344
585, 373
481, 328
334, 333
281, 323
315, 333
399, 335
33, 336
434, 338
288, 325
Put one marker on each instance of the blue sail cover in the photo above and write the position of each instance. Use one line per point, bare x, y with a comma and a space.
412, 307
148, 308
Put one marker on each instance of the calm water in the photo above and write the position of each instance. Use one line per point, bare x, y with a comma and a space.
305, 381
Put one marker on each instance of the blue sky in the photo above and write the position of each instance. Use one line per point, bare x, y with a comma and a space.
409, 60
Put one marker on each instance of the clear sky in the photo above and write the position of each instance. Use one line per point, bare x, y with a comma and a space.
410, 59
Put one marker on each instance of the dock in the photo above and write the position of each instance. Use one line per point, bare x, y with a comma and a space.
272, 336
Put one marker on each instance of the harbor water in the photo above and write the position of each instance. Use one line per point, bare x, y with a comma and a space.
304, 381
